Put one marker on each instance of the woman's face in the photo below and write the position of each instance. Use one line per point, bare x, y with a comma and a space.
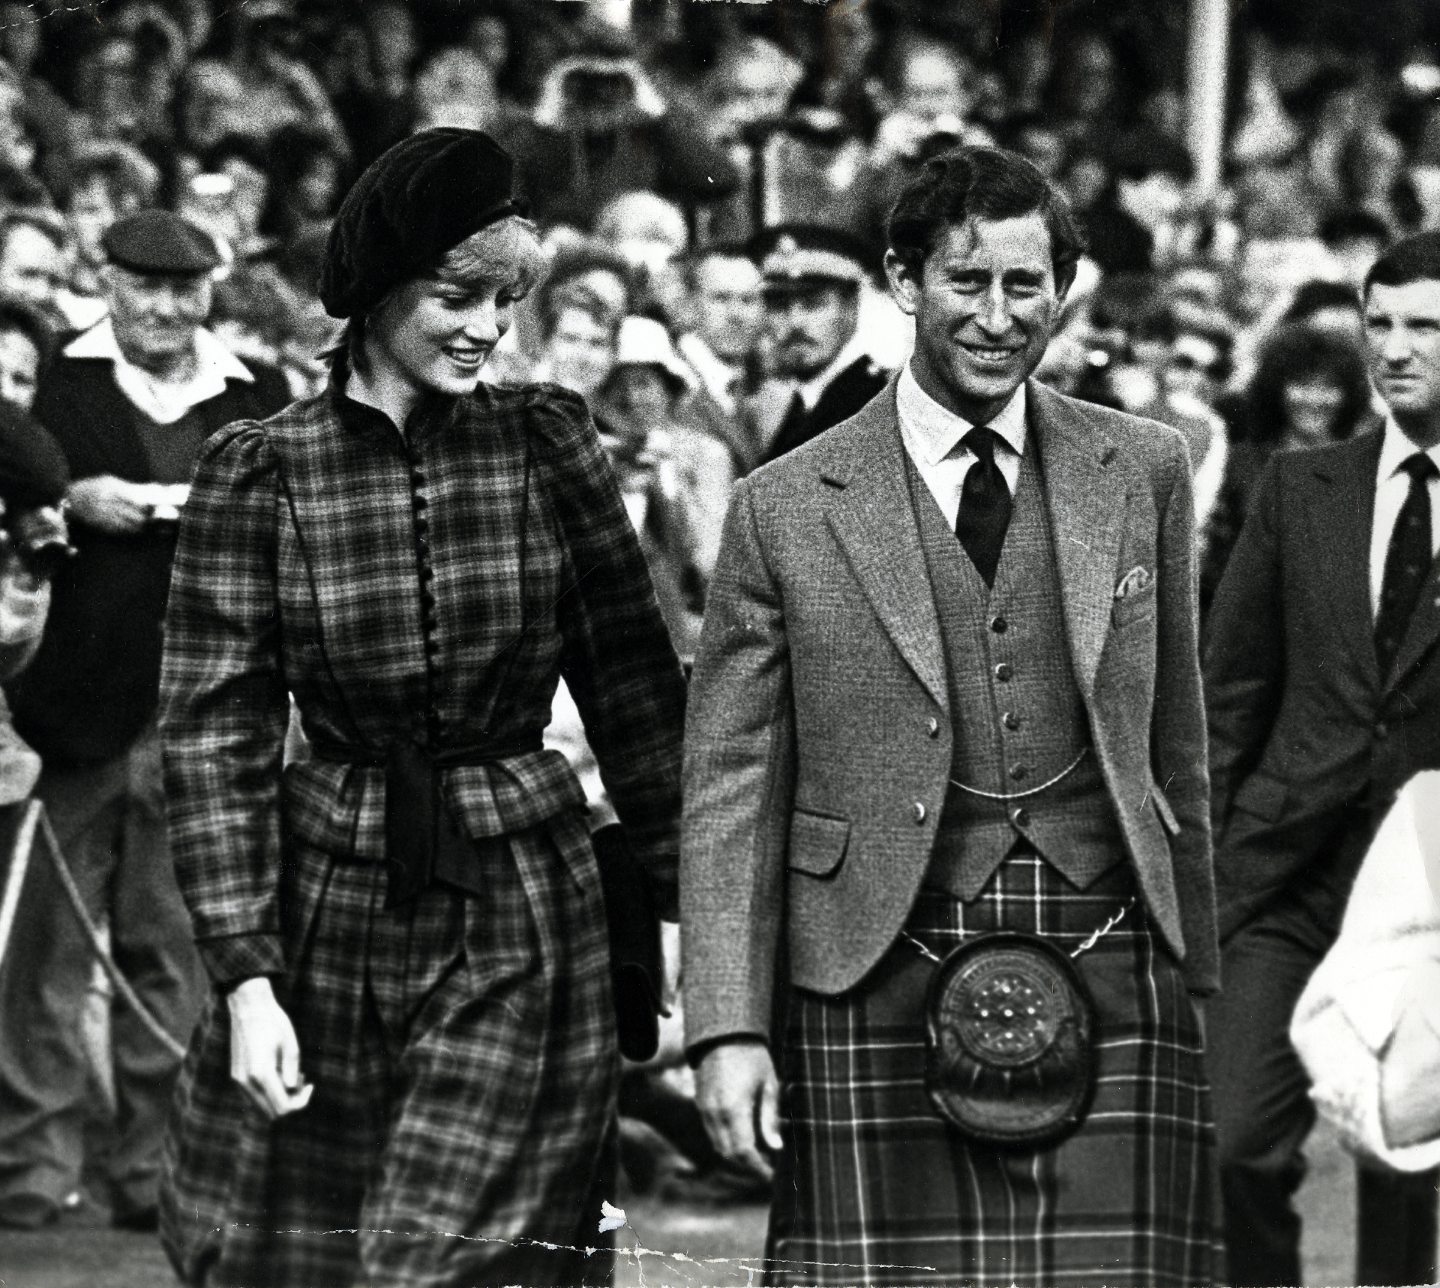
641, 392
1311, 405
436, 332
580, 351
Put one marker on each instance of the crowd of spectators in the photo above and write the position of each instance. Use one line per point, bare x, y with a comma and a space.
657, 141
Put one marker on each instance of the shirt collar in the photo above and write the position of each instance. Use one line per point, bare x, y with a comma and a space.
1395, 448
212, 357
938, 429
810, 390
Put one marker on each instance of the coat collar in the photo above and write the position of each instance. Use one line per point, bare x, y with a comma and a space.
871, 513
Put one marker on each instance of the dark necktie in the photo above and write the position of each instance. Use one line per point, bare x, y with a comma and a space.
1407, 562
984, 505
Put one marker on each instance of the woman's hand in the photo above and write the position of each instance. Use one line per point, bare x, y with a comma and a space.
264, 1054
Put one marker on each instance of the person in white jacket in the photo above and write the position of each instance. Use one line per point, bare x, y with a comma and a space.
1368, 1024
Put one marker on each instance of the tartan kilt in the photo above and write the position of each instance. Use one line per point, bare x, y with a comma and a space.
464, 1060
874, 1187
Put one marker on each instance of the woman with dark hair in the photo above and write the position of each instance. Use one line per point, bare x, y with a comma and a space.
1309, 387
408, 1069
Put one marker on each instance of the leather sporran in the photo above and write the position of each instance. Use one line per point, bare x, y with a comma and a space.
1010, 1041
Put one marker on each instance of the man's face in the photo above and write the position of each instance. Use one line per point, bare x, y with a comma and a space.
1402, 339
984, 309
808, 325
935, 83
1191, 367
727, 306
92, 211
32, 268
19, 369
155, 315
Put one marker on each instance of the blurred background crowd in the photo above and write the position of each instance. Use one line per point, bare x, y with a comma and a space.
711, 182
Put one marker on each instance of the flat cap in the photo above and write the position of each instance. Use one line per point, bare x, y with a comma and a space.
419, 199
157, 241
797, 255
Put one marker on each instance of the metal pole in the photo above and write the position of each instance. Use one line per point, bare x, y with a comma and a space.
1209, 53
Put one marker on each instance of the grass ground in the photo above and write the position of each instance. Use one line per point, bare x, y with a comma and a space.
665, 1244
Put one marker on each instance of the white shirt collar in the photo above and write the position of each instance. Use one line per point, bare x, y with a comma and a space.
810, 390
938, 430
164, 403
1396, 448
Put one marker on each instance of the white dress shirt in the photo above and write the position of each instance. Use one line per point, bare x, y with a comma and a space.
1392, 486
932, 433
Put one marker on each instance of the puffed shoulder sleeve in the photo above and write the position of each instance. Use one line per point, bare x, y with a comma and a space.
223, 707
617, 661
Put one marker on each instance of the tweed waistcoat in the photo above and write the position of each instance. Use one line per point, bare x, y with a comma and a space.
1017, 713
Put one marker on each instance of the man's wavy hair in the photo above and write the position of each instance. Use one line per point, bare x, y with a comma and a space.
1411, 259
980, 183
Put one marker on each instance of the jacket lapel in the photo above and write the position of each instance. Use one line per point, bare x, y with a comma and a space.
1339, 513
1087, 499
870, 511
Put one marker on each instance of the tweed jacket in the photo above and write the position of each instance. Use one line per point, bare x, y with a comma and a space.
1303, 726
439, 581
819, 735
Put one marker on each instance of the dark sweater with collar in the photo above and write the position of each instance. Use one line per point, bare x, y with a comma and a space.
93, 686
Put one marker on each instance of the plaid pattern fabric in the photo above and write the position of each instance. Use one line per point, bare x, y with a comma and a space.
465, 1074
308, 549
873, 1187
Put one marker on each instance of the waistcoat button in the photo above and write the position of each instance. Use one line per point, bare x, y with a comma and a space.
919, 811
1010, 720
1003, 672
1021, 817
999, 625
1019, 772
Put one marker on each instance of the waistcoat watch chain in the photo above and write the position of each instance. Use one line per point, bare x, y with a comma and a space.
1029, 791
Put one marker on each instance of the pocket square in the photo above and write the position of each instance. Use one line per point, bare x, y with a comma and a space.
1133, 582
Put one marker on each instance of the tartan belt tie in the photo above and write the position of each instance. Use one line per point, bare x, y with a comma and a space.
424, 843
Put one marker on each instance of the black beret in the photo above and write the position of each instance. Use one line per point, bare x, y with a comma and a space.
33, 471
157, 241
421, 198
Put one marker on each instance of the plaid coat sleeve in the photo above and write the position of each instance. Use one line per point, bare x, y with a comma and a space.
223, 707
617, 660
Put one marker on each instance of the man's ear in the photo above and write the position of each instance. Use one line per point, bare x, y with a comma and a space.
904, 286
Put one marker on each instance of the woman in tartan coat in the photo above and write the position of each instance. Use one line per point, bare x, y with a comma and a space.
408, 1071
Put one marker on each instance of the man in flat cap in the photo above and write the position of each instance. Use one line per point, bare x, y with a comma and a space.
130, 402
810, 283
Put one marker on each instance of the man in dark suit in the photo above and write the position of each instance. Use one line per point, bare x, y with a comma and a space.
949, 683
810, 283
1323, 688
130, 402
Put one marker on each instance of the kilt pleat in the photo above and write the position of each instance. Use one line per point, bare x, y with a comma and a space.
463, 1056
873, 1187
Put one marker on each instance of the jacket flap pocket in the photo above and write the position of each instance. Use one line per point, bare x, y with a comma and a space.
1262, 796
817, 843
1162, 808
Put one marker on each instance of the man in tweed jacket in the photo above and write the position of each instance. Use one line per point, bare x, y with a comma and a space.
858, 665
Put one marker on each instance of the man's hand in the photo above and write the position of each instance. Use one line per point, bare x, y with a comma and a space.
739, 1098
109, 503
264, 1054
